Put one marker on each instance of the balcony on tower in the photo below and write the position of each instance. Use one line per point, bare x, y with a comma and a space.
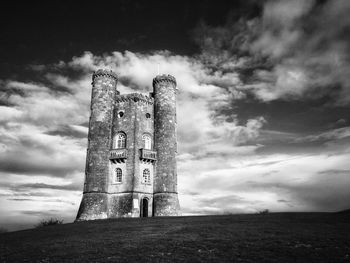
118, 155
148, 155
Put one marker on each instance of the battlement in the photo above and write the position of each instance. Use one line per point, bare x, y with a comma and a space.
164, 78
105, 73
134, 97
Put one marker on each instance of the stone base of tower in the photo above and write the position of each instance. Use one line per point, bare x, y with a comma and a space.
93, 206
166, 204
115, 205
120, 205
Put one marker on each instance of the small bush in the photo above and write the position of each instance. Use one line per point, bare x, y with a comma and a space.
264, 212
50, 222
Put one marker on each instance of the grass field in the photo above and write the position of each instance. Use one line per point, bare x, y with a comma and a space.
274, 237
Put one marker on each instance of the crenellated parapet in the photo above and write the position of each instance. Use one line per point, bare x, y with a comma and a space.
135, 97
104, 73
166, 79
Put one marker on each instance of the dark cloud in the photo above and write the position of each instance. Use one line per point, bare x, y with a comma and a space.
332, 141
26, 192
326, 191
65, 130
219, 201
191, 193
270, 173
84, 124
70, 187
226, 204
19, 199
335, 172
22, 162
55, 201
302, 116
292, 50
6, 93
38, 128
341, 133
41, 214
20, 192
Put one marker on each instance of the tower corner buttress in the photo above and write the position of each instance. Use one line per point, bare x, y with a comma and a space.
166, 201
95, 201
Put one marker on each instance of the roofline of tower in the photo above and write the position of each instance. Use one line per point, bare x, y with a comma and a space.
134, 97
164, 78
104, 73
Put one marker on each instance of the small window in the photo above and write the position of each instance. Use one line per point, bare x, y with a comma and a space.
146, 176
148, 116
147, 142
120, 140
120, 114
118, 175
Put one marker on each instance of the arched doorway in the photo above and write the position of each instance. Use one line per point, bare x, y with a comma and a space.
144, 207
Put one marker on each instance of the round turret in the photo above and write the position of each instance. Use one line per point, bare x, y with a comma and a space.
104, 73
94, 202
164, 79
165, 181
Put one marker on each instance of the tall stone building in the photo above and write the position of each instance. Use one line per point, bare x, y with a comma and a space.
130, 163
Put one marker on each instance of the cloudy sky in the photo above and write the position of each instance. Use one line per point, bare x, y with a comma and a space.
263, 102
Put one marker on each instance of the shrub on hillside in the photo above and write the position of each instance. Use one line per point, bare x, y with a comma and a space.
50, 222
264, 212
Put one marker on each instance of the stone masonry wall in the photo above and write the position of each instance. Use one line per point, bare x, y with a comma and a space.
102, 105
94, 202
165, 180
134, 124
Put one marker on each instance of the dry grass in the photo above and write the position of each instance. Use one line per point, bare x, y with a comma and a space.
285, 237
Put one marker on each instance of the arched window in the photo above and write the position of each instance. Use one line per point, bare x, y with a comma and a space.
120, 140
120, 114
147, 142
118, 177
146, 176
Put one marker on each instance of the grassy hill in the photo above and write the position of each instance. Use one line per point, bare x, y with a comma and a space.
277, 237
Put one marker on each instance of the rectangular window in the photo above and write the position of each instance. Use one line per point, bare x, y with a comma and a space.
146, 176
118, 175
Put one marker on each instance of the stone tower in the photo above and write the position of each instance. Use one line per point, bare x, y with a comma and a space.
165, 180
130, 164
